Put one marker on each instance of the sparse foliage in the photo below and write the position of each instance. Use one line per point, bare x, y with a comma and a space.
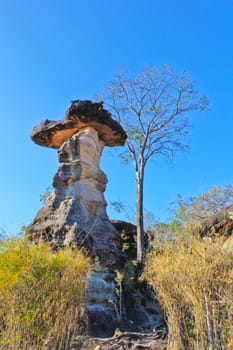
154, 109
120, 207
3, 234
119, 279
47, 192
200, 207
187, 212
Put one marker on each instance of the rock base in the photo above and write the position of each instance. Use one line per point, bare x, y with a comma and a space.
123, 340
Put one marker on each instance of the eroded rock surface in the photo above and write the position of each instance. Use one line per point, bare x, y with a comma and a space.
80, 114
75, 213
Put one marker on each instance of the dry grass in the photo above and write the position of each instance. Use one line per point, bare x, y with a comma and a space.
194, 283
41, 293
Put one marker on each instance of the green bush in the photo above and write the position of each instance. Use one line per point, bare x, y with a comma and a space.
41, 295
193, 280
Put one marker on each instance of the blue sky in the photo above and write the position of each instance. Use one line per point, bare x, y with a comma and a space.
54, 51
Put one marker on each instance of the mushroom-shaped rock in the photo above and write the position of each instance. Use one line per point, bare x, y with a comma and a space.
75, 213
80, 114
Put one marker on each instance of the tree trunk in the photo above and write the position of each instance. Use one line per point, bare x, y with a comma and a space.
140, 221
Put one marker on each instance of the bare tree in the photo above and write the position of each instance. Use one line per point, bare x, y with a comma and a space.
153, 107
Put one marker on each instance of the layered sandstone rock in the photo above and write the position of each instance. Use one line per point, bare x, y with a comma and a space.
75, 213
80, 114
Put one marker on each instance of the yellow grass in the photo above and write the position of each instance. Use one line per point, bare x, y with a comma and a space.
41, 293
193, 280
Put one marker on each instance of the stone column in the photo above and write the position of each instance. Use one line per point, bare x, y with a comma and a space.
79, 175
75, 213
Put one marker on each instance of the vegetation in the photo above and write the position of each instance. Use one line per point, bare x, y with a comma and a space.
41, 294
153, 107
204, 205
41, 291
47, 192
193, 280
187, 212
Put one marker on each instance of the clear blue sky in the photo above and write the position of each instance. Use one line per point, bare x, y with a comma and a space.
54, 51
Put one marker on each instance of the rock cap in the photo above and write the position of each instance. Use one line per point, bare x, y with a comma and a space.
79, 115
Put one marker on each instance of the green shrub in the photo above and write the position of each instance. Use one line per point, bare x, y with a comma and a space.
193, 280
41, 295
